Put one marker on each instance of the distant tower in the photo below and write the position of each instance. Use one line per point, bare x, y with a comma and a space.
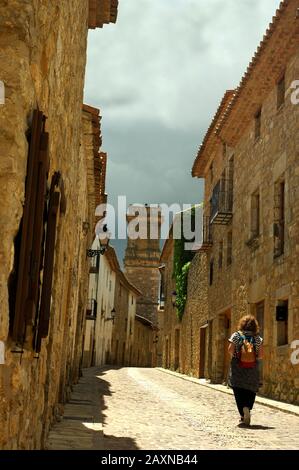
142, 261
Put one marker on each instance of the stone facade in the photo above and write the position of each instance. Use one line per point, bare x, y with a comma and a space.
142, 264
144, 351
254, 211
43, 54
184, 342
105, 300
125, 301
249, 259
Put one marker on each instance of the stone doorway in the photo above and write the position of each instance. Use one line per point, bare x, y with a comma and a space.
226, 336
177, 349
202, 348
167, 353
260, 316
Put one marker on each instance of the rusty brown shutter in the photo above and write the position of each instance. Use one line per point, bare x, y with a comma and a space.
32, 228
57, 201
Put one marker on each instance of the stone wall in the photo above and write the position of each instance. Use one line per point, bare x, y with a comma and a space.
255, 280
120, 327
183, 341
42, 55
146, 279
144, 345
253, 277
259, 276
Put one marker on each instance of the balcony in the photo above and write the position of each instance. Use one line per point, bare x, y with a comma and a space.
91, 309
207, 238
222, 203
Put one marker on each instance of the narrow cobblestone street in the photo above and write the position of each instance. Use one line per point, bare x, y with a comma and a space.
149, 409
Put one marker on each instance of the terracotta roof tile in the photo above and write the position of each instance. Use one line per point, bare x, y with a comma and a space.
210, 136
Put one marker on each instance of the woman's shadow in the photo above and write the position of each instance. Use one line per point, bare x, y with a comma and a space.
255, 427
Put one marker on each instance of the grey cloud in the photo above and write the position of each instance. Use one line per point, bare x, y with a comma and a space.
158, 76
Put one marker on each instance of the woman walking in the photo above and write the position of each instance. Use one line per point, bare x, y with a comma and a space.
246, 350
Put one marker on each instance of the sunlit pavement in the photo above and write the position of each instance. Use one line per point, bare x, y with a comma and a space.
149, 409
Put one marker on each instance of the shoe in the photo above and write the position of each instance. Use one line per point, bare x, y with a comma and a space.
247, 416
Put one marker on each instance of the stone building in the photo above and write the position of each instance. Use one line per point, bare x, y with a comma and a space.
125, 301
110, 312
144, 343
142, 260
100, 308
179, 340
43, 296
114, 334
248, 262
249, 160
98, 164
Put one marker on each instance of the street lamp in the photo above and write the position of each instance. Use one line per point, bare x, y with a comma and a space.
112, 316
104, 242
173, 298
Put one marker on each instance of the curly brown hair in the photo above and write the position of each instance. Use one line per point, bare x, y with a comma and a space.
249, 323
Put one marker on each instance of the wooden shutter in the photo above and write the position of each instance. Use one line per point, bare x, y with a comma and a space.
32, 228
56, 202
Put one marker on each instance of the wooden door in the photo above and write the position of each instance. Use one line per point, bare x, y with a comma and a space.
226, 355
202, 358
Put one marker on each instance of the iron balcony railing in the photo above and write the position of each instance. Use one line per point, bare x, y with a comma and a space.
207, 236
222, 203
91, 309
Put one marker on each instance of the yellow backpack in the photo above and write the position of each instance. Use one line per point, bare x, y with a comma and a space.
247, 351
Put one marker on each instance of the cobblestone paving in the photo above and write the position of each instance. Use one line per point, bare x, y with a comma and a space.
148, 409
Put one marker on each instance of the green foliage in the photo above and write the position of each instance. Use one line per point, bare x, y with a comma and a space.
181, 290
181, 265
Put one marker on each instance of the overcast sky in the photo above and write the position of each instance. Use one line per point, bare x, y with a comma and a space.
158, 76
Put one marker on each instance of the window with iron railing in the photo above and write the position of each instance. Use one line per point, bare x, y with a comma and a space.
222, 202
207, 237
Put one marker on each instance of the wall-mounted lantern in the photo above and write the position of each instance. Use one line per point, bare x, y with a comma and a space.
104, 243
112, 316
173, 298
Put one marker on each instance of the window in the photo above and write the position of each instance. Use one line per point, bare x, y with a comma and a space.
258, 124
281, 88
35, 242
229, 258
211, 173
279, 218
220, 255
231, 181
282, 313
132, 300
211, 272
255, 215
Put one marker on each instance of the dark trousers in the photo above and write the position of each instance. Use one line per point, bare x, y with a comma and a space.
244, 399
